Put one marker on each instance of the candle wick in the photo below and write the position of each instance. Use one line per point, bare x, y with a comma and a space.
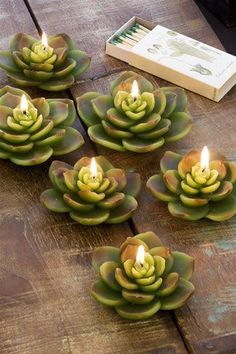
24, 112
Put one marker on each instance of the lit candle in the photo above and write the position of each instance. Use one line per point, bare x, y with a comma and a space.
93, 168
204, 158
44, 40
24, 104
140, 255
135, 90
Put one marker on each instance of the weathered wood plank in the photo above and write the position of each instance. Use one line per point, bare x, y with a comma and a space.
45, 264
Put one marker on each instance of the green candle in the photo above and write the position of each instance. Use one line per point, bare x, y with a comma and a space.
135, 116
195, 187
142, 277
32, 130
52, 64
92, 191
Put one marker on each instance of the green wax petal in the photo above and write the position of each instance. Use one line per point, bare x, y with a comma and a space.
102, 104
42, 106
85, 108
76, 203
21, 80
71, 116
150, 238
72, 140
91, 197
139, 312
4, 113
171, 99
57, 84
161, 128
7, 63
18, 149
119, 175
141, 146
169, 285
37, 75
181, 99
181, 124
124, 282
137, 297
172, 181
161, 251
34, 157
160, 101
231, 171
13, 138
123, 212
179, 296
105, 295
46, 127
65, 69
193, 201
118, 119
223, 210
21, 40
57, 135
152, 287
125, 75
112, 202
82, 62
133, 185
105, 254
98, 135
107, 272
170, 161
18, 59
94, 217
58, 165
4, 154
146, 124
114, 132
181, 211
58, 111
53, 200
158, 189
183, 265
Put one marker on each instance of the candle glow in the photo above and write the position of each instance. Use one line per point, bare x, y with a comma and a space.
140, 255
204, 158
93, 168
44, 40
135, 90
24, 104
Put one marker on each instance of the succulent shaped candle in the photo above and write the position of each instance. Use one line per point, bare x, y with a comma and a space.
51, 64
142, 277
32, 130
195, 188
92, 191
135, 116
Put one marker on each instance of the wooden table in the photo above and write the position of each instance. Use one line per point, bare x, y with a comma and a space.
45, 258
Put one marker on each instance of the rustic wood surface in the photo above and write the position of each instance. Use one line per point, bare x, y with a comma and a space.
45, 258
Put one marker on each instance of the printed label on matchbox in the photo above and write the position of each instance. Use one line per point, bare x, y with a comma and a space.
186, 55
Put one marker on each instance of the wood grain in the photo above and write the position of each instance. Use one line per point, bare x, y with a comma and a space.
45, 261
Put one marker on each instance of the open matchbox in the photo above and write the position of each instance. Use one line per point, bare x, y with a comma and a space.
179, 59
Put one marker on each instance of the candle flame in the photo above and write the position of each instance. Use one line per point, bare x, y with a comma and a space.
204, 158
140, 255
24, 104
44, 40
93, 168
135, 90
